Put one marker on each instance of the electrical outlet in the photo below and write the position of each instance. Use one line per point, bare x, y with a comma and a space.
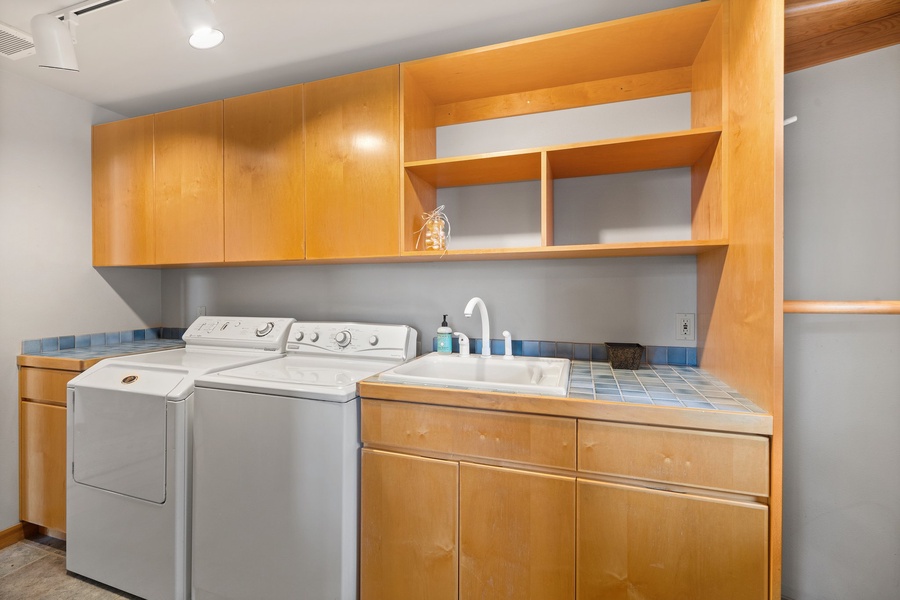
684, 326
201, 311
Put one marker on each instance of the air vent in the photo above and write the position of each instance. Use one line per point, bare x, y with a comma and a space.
15, 44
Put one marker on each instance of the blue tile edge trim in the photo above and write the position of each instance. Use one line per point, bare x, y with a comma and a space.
109, 338
654, 355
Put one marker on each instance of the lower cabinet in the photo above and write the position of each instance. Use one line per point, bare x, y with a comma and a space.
516, 534
408, 527
439, 521
643, 543
42, 447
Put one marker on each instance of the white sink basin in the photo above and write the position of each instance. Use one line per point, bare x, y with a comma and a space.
522, 374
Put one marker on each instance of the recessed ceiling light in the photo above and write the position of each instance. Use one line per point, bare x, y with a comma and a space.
204, 39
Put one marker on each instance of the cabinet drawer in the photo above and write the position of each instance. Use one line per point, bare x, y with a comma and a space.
44, 385
720, 461
545, 441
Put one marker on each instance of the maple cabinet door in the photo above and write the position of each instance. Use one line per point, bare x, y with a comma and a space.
352, 127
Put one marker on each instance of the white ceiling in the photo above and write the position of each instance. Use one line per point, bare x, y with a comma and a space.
134, 58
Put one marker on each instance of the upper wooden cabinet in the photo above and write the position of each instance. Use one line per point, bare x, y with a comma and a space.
264, 205
123, 202
189, 185
353, 165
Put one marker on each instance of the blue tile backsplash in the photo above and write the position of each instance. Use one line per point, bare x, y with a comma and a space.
654, 355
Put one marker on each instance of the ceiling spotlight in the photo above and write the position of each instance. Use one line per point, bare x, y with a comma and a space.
200, 23
54, 41
205, 38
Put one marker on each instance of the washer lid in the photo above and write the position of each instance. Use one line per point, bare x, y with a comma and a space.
316, 378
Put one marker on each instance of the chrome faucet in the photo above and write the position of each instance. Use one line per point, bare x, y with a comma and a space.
485, 324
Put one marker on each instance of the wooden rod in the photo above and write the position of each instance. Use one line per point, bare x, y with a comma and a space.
871, 307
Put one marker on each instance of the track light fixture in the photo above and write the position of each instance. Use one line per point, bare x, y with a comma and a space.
200, 23
54, 41
54, 34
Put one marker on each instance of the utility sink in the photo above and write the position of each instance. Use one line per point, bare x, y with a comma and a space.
518, 374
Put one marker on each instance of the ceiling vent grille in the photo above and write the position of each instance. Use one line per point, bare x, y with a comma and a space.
15, 44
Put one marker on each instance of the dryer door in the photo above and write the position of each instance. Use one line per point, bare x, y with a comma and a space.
119, 430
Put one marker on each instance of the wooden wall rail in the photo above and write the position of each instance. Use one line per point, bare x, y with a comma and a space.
817, 32
873, 307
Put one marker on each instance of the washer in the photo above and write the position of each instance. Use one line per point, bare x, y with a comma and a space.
129, 443
276, 466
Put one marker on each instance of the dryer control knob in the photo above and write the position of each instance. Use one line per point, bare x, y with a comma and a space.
342, 338
314, 337
299, 336
265, 329
373, 340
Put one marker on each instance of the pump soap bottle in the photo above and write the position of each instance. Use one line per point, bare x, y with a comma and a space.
444, 338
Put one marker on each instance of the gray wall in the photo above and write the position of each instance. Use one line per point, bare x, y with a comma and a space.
47, 284
842, 381
586, 300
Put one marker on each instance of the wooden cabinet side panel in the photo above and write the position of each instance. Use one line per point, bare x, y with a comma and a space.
42, 464
264, 178
637, 543
189, 185
516, 534
352, 128
408, 528
419, 143
719, 461
122, 193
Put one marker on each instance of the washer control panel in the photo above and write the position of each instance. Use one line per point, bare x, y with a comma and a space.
359, 339
245, 333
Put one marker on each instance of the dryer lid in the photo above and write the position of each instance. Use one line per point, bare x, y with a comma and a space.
118, 428
132, 379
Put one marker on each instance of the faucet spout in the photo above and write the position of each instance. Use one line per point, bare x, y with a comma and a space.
485, 324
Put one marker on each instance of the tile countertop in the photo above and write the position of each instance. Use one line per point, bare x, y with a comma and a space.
77, 353
656, 385
654, 394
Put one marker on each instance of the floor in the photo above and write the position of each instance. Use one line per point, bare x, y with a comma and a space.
35, 569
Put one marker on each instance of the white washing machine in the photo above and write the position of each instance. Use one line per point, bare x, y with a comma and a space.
276, 466
129, 443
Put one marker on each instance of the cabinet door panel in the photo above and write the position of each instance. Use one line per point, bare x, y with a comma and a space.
408, 527
516, 534
641, 543
353, 164
189, 211
42, 461
264, 206
122, 184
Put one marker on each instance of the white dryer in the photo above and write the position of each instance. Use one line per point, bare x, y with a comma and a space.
129, 444
276, 466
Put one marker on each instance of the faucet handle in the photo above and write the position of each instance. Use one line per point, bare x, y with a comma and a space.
507, 345
464, 348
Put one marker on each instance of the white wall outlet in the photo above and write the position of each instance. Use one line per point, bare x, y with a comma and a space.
201, 311
684, 326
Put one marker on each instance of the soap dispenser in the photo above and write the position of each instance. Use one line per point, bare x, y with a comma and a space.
444, 338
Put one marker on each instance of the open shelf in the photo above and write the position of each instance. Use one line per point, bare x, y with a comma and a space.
669, 248
666, 53
480, 83
640, 153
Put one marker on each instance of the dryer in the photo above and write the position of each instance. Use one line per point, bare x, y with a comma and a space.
276, 466
128, 452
